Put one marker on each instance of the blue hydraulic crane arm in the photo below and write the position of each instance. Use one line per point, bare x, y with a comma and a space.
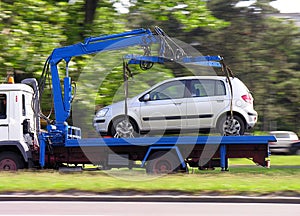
212, 61
142, 37
62, 104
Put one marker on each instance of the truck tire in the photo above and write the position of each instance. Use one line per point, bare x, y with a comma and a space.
11, 161
162, 163
121, 128
237, 128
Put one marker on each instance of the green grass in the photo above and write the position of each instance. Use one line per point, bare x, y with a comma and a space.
276, 160
242, 178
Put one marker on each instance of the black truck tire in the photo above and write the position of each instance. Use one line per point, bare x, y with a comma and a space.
11, 161
162, 162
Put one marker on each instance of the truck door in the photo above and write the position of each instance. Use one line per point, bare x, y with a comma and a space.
3, 117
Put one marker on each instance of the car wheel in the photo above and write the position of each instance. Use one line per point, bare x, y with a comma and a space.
228, 126
122, 128
294, 150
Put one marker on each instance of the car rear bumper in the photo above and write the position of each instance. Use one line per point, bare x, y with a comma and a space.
252, 119
279, 149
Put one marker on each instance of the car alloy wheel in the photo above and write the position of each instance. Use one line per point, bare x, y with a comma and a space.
123, 128
231, 126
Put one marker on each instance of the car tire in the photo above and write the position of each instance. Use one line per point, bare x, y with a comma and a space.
294, 150
120, 128
237, 127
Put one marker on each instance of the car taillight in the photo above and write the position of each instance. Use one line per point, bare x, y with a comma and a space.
247, 98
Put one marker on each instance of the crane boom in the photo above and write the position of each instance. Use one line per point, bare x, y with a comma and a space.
62, 103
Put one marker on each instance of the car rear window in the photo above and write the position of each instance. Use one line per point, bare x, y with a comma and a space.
282, 135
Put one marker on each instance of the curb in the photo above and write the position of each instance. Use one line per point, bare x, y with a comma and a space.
152, 198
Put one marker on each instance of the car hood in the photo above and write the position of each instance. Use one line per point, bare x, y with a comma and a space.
131, 102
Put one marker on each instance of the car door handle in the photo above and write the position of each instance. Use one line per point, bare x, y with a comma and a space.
178, 103
220, 101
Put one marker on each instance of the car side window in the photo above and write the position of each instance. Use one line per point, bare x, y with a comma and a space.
220, 88
205, 88
169, 90
3, 106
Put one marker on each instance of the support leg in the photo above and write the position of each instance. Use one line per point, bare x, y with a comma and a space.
223, 158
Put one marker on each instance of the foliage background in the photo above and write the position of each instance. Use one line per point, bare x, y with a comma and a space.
261, 49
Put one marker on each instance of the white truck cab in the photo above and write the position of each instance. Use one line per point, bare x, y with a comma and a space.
17, 123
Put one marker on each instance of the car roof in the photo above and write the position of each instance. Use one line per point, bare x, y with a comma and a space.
287, 132
237, 83
195, 77
284, 134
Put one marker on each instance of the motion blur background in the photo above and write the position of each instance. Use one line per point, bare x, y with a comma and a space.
260, 44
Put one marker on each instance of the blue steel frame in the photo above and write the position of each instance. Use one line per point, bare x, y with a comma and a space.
164, 143
174, 142
181, 159
211, 61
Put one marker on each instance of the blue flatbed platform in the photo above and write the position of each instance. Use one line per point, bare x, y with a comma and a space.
195, 151
170, 140
187, 148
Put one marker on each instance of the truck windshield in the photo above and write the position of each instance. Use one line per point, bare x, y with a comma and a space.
2, 106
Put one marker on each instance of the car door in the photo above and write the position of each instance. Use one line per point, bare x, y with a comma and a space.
3, 117
164, 107
206, 102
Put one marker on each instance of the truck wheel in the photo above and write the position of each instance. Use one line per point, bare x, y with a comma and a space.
122, 128
231, 127
162, 163
10, 161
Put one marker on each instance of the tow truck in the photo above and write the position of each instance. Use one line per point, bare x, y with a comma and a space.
24, 144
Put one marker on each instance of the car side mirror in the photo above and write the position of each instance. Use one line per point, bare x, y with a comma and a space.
146, 97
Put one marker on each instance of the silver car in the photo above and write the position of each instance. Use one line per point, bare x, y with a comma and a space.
194, 103
285, 141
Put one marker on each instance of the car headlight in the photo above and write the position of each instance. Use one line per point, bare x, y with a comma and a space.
102, 112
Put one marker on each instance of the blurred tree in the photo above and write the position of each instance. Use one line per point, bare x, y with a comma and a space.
262, 51
30, 29
188, 14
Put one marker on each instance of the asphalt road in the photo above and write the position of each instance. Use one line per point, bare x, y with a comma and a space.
146, 208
